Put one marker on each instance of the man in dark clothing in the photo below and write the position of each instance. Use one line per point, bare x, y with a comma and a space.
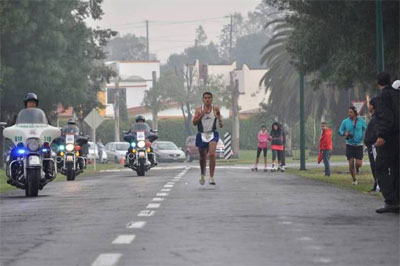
369, 140
387, 129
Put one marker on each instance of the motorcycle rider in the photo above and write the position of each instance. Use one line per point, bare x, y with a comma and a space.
140, 123
31, 101
72, 128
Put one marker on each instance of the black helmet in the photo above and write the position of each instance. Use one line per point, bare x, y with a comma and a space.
140, 117
31, 97
71, 121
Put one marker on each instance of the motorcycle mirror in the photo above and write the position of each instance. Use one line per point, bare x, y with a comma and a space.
154, 130
125, 132
3, 124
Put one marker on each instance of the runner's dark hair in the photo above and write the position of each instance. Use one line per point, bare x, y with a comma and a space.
207, 93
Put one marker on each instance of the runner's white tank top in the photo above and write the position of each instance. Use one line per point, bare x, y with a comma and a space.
208, 121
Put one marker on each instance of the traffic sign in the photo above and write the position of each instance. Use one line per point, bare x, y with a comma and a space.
358, 105
94, 119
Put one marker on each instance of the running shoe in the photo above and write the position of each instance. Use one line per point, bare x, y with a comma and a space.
355, 182
254, 169
211, 181
202, 180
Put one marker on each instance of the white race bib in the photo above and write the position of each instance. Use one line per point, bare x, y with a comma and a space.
207, 137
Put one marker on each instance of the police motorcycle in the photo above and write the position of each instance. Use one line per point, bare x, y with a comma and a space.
140, 156
70, 158
30, 165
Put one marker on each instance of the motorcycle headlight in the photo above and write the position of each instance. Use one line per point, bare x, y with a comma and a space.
70, 147
141, 144
33, 144
133, 144
61, 147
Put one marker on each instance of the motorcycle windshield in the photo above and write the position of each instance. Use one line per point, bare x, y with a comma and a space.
31, 116
140, 127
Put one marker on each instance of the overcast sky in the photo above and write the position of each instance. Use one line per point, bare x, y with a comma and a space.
172, 23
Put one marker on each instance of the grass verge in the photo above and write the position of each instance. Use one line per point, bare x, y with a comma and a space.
340, 177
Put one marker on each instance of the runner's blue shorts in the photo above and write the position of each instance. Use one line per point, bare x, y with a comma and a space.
204, 145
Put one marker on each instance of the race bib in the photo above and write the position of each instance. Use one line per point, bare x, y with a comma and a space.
207, 137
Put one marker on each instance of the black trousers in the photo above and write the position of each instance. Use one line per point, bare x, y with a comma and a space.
372, 164
387, 170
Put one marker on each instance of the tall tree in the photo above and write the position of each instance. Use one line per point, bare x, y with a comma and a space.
47, 48
201, 36
128, 47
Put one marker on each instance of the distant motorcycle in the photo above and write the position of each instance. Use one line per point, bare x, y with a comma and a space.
70, 161
140, 156
30, 165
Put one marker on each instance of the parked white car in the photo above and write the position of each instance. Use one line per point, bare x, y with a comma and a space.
94, 153
116, 150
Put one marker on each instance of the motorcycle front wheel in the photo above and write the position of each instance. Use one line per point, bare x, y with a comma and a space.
32, 182
141, 171
70, 173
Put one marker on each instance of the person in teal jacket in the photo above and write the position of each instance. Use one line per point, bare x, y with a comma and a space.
353, 128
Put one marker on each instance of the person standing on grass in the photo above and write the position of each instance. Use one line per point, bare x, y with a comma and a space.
370, 139
205, 118
277, 148
353, 128
325, 147
263, 138
387, 128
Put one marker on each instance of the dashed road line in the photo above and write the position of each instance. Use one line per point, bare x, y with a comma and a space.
165, 190
158, 199
146, 213
107, 259
136, 225
124, 239
169, 186
153, 206
162, 194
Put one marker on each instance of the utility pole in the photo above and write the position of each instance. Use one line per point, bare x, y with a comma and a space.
380, 62
302, 126
147, 39
235, 115
116, 109
154, 111
230, 40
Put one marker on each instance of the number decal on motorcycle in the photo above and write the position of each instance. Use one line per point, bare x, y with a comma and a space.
18, 138
47, 139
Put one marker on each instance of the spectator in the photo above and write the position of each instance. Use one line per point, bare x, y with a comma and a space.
263, 138
353, 128
370, 139
277, 139
100, 148
325, 147
387, 129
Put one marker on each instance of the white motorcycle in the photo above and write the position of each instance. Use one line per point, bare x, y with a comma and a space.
30, 165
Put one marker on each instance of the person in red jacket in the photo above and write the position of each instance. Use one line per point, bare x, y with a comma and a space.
325, 147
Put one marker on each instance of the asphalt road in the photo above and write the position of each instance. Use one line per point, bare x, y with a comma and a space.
167, 218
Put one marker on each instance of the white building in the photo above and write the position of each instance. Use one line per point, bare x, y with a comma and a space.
135, 79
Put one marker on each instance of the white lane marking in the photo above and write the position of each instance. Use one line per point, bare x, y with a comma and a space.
124, 239
146, 213
171, 183
165, 190
169, 186
305, 238
162, 194
176, 179
107, 259
322, 260
158, 199
153, 206
136, 225
285, 222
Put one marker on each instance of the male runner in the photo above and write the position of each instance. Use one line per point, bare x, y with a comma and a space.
205, 118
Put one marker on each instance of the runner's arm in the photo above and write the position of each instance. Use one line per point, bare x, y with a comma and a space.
219, 117
197, 116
